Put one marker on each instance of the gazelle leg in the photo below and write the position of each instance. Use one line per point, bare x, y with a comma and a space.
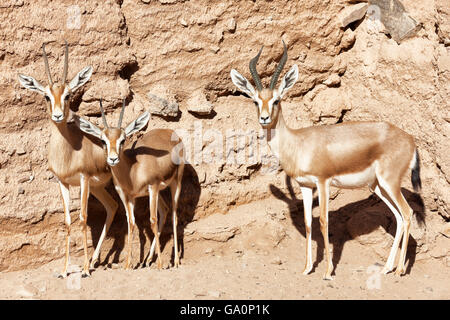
324, 193
307, 194
162, 210
131, 224
111, 208
84, 183
394, 192
65, 195
407, 212
153, 199
175, 189
129, 210
398, 232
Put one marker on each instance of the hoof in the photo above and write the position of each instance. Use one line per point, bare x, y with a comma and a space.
306, 271
85, 274
386, 270
94, 264
62, 275
399, 272
327, 277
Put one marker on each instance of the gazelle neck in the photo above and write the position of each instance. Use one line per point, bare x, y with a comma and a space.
280, 138
121, 171
277, 132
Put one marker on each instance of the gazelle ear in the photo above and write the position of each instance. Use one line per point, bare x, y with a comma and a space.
31, 83
288, 80
89, 128
242, 83
137, 124
80, 79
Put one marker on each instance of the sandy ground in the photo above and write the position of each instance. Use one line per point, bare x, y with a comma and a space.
241, 267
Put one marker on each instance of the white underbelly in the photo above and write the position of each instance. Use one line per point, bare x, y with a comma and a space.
96, 180
355, 180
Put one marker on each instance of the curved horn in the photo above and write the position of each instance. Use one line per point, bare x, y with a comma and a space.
66, 62
253, 71
105, 124
280, 67
47, 68
121, 114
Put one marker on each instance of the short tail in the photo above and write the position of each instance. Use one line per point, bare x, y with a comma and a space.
415, 173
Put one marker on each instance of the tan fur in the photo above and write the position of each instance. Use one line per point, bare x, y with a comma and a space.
147, 164
326, 152
317, 156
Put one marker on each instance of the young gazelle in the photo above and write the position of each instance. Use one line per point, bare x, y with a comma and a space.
75, 158
142, 169
347, 155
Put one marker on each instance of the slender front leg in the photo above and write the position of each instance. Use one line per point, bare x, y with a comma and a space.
153, 199
324, 193
65, 195
84, 184
307, 208
111, 208
129, 209
131, 224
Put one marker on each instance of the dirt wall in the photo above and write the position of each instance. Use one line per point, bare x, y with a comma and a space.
183, 51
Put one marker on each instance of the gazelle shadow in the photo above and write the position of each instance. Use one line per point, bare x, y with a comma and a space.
189, 196
337, 225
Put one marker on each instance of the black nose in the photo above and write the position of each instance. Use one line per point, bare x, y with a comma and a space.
265, 118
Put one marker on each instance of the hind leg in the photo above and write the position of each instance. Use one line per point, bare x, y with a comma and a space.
392, 188
111, 208
307, 194
407, 212
162, 211
175, 188
398, 232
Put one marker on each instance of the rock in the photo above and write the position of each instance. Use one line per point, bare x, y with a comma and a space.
162, 102
183, 22
333, 80
276, 261
399, 24
348, 39
198, 104
21, 151
352, 13
24, 179
231, 25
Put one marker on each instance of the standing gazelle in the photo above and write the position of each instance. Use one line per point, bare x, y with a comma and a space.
348, 155
75, 158
153, 163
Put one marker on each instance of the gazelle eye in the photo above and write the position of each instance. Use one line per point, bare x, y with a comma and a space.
256, 103
47, 98
276, 102
67, 97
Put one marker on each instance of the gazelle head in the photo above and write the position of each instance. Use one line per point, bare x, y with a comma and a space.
57, 94
267, 100
113, 138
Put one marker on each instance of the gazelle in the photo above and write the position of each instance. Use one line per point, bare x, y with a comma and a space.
75, 158
142, 169
347, 155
